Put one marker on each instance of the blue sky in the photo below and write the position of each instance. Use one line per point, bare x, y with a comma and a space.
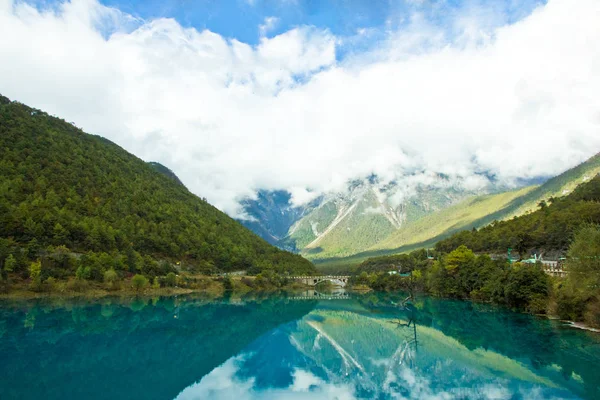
241, 19
328, 92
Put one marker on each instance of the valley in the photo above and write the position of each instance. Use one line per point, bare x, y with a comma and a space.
365, 221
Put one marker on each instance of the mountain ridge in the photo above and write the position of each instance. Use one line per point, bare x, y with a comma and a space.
60, 186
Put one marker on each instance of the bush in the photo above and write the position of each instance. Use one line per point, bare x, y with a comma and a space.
570, 306
526, 283
592, 312
111, 278
170, 279
51, 283
155, 283
83, 273
227, 284
269, 279
362, 279
35, 269
538, 304
78, 285
578, 298
139, 282
10, 263
36, 285
248, 281
200, 283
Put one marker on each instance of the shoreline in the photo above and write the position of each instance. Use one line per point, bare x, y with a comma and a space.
97, 294
570, 324
580, 325
215, 290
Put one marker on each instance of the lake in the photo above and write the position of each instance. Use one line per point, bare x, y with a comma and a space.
290, 347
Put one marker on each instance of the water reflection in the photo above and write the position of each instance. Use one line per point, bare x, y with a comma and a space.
291, 347
377, 348
140, 348
315, 294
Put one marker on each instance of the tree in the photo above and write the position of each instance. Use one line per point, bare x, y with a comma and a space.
111, 277
579, 298
10, 263
583, 260
134, 260
155, 283
228, 285
170, 279
31, 229
83, 273
139, 282
437, 279
527, 288
35, 269
59, 234
461, 256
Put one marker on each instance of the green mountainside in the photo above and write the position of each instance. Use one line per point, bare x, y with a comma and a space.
475, 210
342, 228
348, 223
558, 186
550, 228
62, 187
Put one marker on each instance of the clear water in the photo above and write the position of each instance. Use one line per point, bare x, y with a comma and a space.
280, 348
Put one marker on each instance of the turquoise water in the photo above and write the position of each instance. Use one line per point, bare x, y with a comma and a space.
275, 347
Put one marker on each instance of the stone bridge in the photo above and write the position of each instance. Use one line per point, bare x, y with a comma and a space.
337, 280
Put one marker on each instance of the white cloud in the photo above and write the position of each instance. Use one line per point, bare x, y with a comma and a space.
269, 24
519, 100
222, 383
400, 382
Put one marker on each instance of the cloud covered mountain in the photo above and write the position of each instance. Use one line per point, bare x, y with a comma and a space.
367, 211
371, 218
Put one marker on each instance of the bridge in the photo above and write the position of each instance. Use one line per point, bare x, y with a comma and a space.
337, 280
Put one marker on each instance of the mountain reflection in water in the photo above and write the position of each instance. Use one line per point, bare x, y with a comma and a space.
291, 347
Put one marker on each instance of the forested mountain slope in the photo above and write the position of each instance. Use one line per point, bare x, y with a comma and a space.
550, 228
60, 186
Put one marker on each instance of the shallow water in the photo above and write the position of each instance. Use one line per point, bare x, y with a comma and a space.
280, 347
